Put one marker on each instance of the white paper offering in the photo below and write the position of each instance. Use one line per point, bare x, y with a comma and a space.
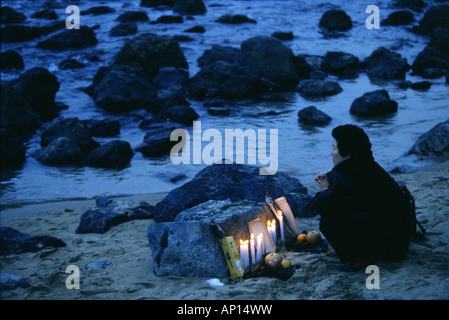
257, 227
288, 214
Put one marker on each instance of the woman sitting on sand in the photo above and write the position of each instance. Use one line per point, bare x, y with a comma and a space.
361, 206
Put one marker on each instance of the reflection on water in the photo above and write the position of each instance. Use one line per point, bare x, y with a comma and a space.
303, 150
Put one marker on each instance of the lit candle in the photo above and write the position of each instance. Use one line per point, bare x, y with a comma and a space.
281, 224
244, 253
259, 247
273, 227
253, 249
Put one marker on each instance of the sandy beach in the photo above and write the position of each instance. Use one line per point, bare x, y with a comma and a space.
423, 275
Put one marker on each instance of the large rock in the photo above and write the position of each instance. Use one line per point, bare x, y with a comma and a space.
435, 142
311, 115
156, 142
430, 58
375, 103
235, 19
112, 154
12, 150
9, 15
179, 114
386, 64
133, 16
21, 33
269, 58
318, 88
228, 181
121, 91
15, 242
109, 212
10, 59
399, 18
69, 39
16, 113
151, 52
60, 151
436, 16
39, 87
219, 53
187, 248
189, 7
225, 80
341, 64
335, 20
11, 281
71, 128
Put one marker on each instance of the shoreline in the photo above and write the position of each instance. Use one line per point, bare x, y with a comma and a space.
422, 275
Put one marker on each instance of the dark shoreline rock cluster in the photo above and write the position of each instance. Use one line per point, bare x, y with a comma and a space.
150, 72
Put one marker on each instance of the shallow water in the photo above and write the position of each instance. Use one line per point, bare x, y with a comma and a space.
303, 151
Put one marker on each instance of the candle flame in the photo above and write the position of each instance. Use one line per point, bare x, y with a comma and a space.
252, 236
269, 224
259, 237
273, 223
244, 243
280, 213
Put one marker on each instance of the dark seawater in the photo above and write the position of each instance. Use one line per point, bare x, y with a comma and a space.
303, 150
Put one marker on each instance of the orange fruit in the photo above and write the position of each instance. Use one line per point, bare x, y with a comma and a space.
313, 237
301, 237
285, 264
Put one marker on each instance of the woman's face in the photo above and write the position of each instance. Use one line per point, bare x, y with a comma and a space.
336, 156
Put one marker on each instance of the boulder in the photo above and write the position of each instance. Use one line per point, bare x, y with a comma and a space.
112, 154
12, 150
303, 67
421, 85
436, 16
440, 39
225, 80
335, 20
342, 64
165, 19
132, 16
71, 64
434, 142
70, 39
267, 57
20, 33
151, 52
122, 91
123, 29
179, 114
109, 212
196, 29
10, 59
430, 58
39, 87
16, 242
399, 18
167, 99
187, 248
386, 64
171, 78
98, 10
156, 3
412, 4
156, 142
219, 53
281, 35
318, 88
227, 181
375, 103
235, 19
11, 281
311, 115
60, 151
71, 128
16, 113
47, 14
9, 15
189, 7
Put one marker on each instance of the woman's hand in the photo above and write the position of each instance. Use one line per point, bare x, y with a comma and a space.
322, 181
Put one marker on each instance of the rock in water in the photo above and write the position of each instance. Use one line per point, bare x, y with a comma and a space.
12, 281
70, 39
13, 241
375, 103
434, 142
386, 64
311, 115
113, 154
335, 20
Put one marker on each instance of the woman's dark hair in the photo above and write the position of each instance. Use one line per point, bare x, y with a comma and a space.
353, 141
